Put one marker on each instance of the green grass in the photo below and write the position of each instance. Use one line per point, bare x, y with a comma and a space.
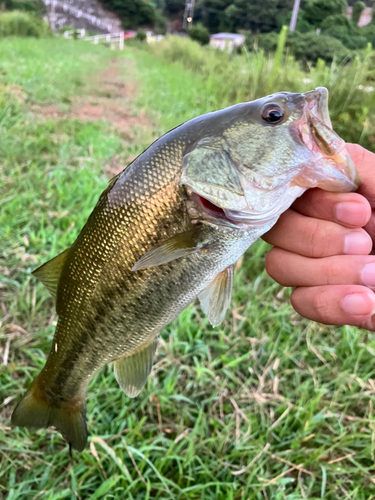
267, 406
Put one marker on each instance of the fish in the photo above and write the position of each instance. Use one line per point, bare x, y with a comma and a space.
167, 230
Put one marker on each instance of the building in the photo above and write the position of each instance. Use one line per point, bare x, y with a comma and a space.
227, 41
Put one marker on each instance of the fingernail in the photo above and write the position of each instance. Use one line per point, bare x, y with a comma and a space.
359, 304
351, 213
368, 275
357, 243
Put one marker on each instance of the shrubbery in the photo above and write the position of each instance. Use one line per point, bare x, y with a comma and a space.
35, 6
200, 34
141, 35
311, 47
303, 46
23, 24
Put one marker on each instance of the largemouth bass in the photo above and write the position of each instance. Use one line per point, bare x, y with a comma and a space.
167, 230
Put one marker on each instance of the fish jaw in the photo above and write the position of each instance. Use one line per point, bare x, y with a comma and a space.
331, 168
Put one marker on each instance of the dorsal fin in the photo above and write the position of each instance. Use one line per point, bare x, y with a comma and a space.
215, 298
131, 372
49, 273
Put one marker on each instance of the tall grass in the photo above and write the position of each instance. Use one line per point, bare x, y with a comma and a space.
231, 78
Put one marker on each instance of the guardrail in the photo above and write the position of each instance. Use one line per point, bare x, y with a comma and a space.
109, 37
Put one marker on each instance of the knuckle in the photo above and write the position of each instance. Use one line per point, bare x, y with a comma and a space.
273, 264
320, 240
321, 306
332, 271
311, 241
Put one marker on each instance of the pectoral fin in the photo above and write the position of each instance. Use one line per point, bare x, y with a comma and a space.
215, 299
49, 273
174, 248
131, 372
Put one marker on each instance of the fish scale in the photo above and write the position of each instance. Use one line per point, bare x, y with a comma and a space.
166, 230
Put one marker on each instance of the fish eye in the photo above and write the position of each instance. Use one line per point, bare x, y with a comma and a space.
273, 113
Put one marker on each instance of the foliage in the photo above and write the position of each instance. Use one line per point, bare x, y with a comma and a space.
263, 41
302, 25
337, 20
358, 7
24, 24
141, 35
311, 47
316, 11
229, 15
35, 6
340, 27
303, 46
133, 13
173, 7
369, 33
159, 23
200, 34
289, 397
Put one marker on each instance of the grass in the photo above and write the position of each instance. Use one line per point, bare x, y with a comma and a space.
267, 406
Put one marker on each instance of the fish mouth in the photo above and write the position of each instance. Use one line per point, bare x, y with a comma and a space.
238, 219
333, 163
212, 212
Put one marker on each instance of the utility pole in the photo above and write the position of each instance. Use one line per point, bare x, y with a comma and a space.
293, 21
188, 14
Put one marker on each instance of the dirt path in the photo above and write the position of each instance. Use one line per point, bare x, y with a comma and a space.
108, 96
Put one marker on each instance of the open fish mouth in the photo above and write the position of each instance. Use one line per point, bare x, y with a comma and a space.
327, 147
213, 212
232, 218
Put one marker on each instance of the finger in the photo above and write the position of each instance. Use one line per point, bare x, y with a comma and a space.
365, 163
370, 226
336, 305
317, 238
290, 269
349, 209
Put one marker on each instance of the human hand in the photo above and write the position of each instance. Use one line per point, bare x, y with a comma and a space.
322, 247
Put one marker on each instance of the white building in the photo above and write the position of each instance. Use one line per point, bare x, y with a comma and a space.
226, 41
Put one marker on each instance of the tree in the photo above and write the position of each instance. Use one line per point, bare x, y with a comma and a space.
357, 11
133, 13
316, 11
233, 15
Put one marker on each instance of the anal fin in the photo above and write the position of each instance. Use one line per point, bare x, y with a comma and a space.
131, 372
215, 298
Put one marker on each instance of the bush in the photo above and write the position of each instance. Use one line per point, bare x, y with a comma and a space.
369, 33
357, 11
264, 41
303, 46
302, 25
200, 34
344, 30
133, 13
141, 36
311, 47
23, 24
316, 11
35, 6
335, 21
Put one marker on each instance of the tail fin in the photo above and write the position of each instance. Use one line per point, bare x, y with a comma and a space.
33, 411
